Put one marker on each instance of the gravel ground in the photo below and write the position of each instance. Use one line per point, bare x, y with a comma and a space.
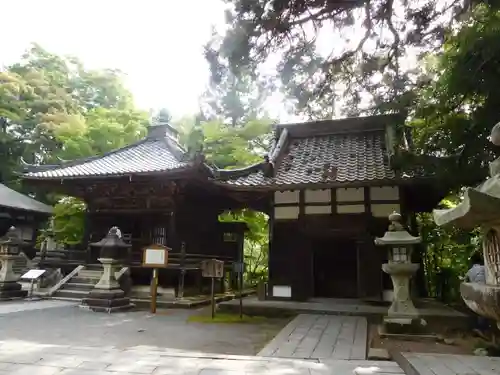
62, 323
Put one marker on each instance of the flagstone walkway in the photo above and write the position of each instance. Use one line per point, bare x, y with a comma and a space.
321, 337
23, 358
448, 364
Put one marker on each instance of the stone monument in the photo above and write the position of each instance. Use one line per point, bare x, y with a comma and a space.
107, 296
400, 268
10, 245
480, 207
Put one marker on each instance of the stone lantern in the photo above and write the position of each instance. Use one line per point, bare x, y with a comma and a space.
480, 207
10, 247
400, 245
107, 295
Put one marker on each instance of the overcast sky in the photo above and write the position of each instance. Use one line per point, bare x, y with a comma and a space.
158, 44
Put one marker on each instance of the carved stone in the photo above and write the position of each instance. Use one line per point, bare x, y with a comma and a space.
402, 305
399, 243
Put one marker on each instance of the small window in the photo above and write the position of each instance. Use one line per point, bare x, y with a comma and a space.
400, 254
230, 237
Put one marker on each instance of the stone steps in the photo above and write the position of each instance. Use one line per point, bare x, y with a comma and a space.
80, 285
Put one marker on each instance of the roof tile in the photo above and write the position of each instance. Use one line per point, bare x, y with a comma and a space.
12, 199
148, 155
348, 157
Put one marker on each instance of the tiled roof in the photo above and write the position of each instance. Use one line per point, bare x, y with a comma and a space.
12, 199
340, 158
146, 156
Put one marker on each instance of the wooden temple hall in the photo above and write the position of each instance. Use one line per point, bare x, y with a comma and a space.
327, 186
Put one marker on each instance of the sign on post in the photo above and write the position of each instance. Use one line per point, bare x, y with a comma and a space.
214, 269
155, 256
32, 275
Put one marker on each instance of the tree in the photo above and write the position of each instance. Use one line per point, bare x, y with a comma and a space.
459, 108
52, 108
345, 53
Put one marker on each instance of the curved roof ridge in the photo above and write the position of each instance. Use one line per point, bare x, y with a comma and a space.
16, 200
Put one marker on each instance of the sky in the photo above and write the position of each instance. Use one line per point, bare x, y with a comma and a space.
157, 43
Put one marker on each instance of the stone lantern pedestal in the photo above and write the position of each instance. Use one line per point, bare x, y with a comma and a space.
10, 288
107, 296
401, 274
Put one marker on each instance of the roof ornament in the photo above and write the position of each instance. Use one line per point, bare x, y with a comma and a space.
267, 167
160, 127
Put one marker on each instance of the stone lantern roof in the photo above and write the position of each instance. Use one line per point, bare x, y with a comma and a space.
12, 238
112, 240
397, 234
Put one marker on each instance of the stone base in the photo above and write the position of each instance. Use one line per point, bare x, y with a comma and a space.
11, 290
15, 294
102, 300
483, 299
403, 326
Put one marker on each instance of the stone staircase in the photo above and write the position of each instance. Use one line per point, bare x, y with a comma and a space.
79, 286
22, 264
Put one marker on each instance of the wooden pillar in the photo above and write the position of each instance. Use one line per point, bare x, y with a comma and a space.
182, 275
87, 230
420, 287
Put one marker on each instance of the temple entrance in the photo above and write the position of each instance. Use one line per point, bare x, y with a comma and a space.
335, 268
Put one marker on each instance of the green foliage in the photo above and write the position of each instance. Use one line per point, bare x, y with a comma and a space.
69, 220
456, 112
52, 107
230, 147
256, 248
344, 54
446, 257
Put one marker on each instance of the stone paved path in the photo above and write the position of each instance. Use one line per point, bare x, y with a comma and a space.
448, 364
21, 358
40, 339
322, 337
8, 307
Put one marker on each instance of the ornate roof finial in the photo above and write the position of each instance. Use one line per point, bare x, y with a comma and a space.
395, 219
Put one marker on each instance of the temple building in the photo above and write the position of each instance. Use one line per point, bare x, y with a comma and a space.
327, 186
24, 213
332, 184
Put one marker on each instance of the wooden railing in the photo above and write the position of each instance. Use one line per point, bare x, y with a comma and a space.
186, 261
175, 260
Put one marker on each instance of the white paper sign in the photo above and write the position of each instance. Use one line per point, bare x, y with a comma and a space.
33, 274
154, 256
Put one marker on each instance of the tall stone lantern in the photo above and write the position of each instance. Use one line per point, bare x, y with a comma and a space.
480, 207
107, 296
399, 267
10, 247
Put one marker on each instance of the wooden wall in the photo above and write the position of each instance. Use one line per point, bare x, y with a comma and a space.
301, 216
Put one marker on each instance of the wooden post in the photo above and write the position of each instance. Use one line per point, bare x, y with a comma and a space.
212, 268
241, 261
154, 290
180, 291
213, 297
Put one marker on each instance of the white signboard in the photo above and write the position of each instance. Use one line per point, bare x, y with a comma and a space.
155, 256
33, 274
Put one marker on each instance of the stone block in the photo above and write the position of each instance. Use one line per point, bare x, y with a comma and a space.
378, 354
